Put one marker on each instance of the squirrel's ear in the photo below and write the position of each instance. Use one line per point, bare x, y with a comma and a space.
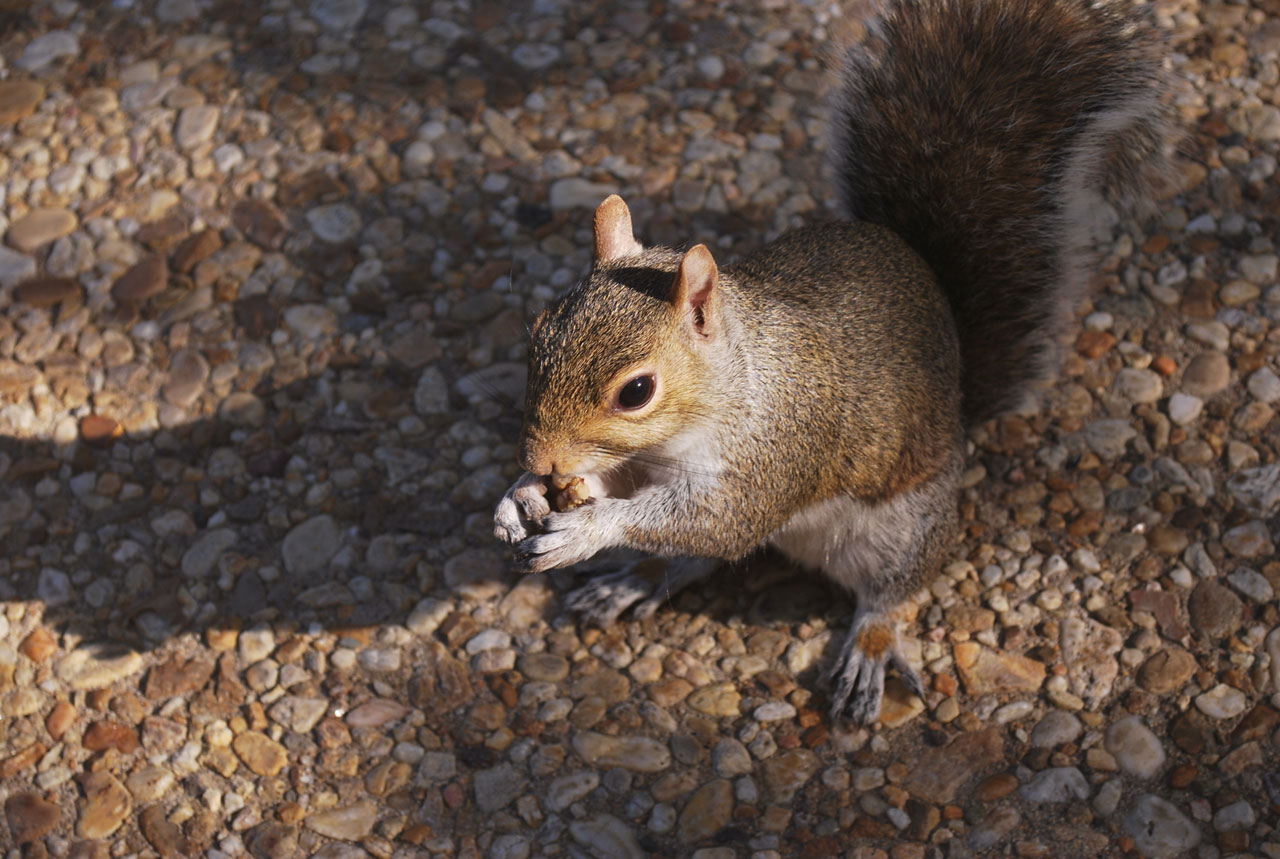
613, 231
694, 293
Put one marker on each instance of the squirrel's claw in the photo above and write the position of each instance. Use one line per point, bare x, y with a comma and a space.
565, 539
523, 504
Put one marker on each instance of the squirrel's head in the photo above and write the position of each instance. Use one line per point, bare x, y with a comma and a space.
616, 365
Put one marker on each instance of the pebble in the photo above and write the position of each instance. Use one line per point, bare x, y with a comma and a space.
1159, 829
311, 545
1055, 729
1250, 540
1237, 815
1206, 374
336, 223
639, 754
1184, 408
148, 277
261, 754
1167, 670
497, 786
1139, 385
708, 811
1056, 784
301, 714
1214, 610
1222, 702
1108, 437
196, 125
1136, 749
349, 823
39, 227
106, 804
311, 321
339, 16
19, 99
568, 789
47, 49
15, 268
606, 835
30, 817
573, 192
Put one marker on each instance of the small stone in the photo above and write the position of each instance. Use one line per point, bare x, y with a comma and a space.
38, 227
146, 278
995, 787
497, 786
774, 711
260, 753
986, 671
1107, 437
60, 719
1088, 650
196, 125
149, 784
568, 789
111, 735
1056, 784
709, 810
1136, 749
39, 645
261, 223
1250, 540
30, 817
1158, 829
375, 713
97, 664
786, 773
335, 223
311, 321
1167, 670
1215, 611
163, 834
199, 560
1237, 815
340, 16
730, 758
1055, 729
299, 714
243, 409
606, 835
15, 267
97, 429
105, 806
718, 699
574, 192
938, 772
1139, 385
48, 48
1252, 584
1206, 374
19, 99
352, 823
188, 371
1222, 702
49, 291
544, 667
639, 754
311, 545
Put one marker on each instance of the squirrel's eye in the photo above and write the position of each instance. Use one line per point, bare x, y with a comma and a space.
636, 393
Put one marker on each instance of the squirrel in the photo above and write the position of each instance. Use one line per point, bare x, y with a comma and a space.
814, 397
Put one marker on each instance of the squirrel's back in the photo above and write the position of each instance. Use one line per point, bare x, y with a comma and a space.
982, 132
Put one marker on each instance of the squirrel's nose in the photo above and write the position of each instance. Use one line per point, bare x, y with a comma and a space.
535, 461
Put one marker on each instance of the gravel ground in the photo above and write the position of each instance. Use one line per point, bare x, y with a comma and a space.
263, 291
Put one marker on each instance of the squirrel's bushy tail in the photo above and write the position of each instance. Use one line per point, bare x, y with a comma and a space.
982, 132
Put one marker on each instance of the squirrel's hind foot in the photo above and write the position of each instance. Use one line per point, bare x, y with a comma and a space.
646, 584
859, 672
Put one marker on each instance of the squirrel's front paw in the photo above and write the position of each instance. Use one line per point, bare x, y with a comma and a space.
523, 505
567, 538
